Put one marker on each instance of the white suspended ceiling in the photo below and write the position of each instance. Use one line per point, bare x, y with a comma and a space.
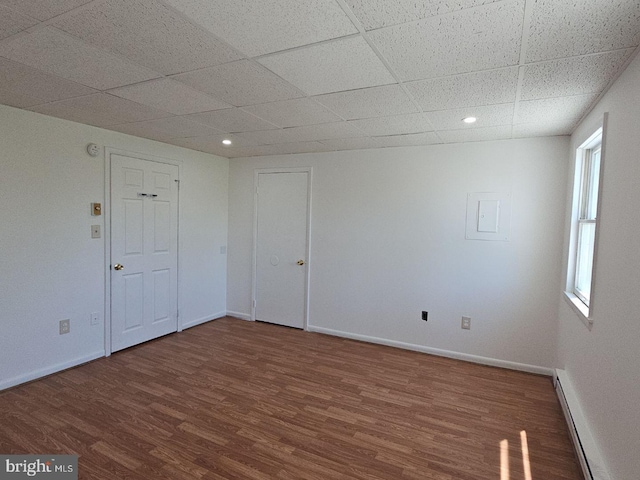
293, 76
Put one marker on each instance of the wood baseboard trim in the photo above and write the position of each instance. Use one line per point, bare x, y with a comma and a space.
200, 321
241, 316
43, 372
494, 362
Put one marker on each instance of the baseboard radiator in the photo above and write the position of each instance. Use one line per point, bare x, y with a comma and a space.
590, 460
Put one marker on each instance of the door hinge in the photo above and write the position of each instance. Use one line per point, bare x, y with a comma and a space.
254, 304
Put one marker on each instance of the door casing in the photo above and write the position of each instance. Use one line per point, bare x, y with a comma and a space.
257, 172
106, 212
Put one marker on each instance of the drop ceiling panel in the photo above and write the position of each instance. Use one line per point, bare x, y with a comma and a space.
487, 115
479, 38
292, 113
212, 143
100, 110
209, 145
564, 29
140, 129
232, 120
394, 125
170, 127
468, 90
302, 134
501, 132
524, 130
58, 53
358, 143
344, 64
256, 28
147, 33
240, 83
412, 139
427, 138
170, 96
43, 9
369, 102
12, 22
572, 76
561, 110
22, 86
383, 13
282, 149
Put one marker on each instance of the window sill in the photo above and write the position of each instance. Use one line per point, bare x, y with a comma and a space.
581, 310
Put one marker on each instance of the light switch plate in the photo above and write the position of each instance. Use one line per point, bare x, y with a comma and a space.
96, 209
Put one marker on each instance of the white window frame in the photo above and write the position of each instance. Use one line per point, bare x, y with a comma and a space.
586, 184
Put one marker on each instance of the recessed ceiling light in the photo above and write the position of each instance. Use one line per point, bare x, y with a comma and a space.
226, 141
469, 120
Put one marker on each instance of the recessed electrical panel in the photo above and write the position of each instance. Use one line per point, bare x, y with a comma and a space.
489, 216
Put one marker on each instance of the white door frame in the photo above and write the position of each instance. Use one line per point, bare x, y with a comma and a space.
106, 212
257, 172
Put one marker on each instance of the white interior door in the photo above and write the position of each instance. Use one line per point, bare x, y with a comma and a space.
144, 250
281, 248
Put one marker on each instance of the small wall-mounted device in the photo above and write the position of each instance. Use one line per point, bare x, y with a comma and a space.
489, 216
96, 209
93, 150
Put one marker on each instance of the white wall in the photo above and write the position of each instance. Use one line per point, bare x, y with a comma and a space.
50, 268
603, 363
388, 241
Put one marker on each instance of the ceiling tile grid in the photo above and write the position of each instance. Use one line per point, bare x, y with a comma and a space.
257, 28
232, 120
57, 53
487, 116
170, 96
571, 76
148, 33
501, 132
344, 64
369, 102
240, 83
472, 39
293, 113
100, 109
577, 27
560, 110
306, 133
12, 22
43, 9
381, 13
468, 90
22, 86
393, 125
284, 76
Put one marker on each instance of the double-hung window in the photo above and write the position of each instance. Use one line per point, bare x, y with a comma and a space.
588, 209
586, 187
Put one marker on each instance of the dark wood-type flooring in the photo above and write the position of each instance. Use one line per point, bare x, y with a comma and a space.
241, 400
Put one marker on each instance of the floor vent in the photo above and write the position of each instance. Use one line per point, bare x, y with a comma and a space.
586, 450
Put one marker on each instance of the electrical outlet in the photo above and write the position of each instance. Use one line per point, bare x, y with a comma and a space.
95, 318
425, 315
466, 323
65, 327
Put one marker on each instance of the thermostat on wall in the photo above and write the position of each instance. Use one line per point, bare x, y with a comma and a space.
93, 150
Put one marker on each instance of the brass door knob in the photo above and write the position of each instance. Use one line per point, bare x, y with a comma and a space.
117, 266
300, 262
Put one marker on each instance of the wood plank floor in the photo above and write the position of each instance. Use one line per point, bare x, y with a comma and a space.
240, 400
